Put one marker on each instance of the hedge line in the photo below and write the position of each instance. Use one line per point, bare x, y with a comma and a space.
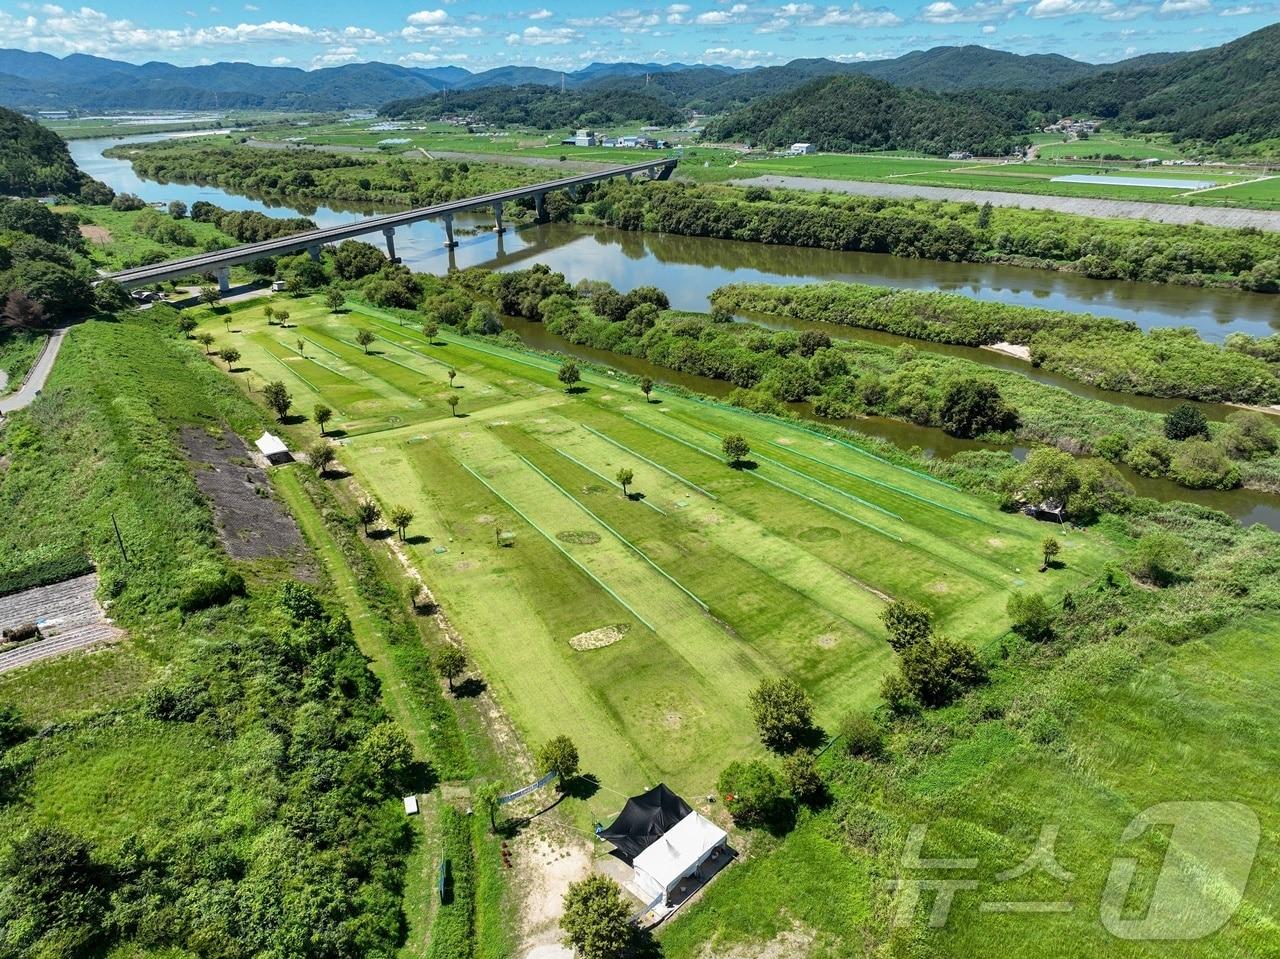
46, 572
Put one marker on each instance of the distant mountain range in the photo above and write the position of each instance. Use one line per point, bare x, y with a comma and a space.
38, 81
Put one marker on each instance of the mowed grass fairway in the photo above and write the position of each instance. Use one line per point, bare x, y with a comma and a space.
712, 577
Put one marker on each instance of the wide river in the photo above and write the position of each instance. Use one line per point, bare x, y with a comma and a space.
690, 268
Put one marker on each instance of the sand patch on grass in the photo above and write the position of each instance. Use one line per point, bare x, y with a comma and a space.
938, 586
579, 537
95, 234
827, 641
485, 519
995, 542
784, 440
599, 638
798, 942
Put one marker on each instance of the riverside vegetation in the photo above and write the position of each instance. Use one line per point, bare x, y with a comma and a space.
842, 379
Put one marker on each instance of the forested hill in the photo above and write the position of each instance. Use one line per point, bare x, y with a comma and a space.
850, 114
1231, 91
545, 107
974, 67
33, 160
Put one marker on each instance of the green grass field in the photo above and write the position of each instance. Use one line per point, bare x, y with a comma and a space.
714, 577
1106, 145
1085, 749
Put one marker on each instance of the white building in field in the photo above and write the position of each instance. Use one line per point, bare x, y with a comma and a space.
800, 149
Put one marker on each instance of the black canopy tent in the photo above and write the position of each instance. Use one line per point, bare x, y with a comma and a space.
643, 820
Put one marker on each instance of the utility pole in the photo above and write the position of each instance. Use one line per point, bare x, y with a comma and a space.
119, 538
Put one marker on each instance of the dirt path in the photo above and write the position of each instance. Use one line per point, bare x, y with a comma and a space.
1268, 220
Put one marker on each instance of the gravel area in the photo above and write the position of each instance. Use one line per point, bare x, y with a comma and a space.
68, 615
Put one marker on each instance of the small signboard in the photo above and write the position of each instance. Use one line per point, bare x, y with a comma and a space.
411, 805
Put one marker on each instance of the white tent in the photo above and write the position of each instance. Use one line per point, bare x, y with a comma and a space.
681, 850
272, 447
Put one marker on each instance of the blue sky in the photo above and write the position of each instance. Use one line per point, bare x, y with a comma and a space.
567, 34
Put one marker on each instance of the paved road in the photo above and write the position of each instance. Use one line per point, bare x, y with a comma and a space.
1080, 206
24, 395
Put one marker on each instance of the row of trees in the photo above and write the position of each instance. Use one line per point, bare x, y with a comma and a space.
944, 230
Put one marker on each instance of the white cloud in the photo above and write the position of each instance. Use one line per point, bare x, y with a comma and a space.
1241, 11
988, 29
854, 16
427, 17
943, 11
280, 61
1185, 7
251, 8
736, 56
542, 14
624, 21
540, 37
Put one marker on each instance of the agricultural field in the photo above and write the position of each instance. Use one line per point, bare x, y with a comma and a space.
1257, 192
647, 618
1051, 146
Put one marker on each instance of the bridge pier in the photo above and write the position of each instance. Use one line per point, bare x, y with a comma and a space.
665, 172
449, 242
497, 219
314, 252
628, 176
540, 208
223, 273
390, 234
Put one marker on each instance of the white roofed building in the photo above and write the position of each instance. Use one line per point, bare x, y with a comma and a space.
677, 855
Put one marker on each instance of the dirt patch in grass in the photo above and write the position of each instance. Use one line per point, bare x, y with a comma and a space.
818, 534
995, 542
794, 943
827, 641
938, 586
579, 537
485, 519
95, 234
784, 440
599, 638
252, 523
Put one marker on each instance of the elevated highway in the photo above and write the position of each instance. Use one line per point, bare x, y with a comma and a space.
219, 262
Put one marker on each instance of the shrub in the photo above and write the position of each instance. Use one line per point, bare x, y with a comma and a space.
1150, 456
1160, 558
800, 771
754, 793
1030, 616
862, 736
1185, 421
1200, 464
208, 583
971, 407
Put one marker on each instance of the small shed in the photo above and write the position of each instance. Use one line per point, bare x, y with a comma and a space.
800, 149
411, 805
273, 448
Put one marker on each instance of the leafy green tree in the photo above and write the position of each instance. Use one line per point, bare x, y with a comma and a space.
625, 478
353, 259
209, 295
783, 713
451, 663
177, 209
430, 328
1185, 421
568, 374
452, 374
321, 456
282, 317
1030, 617
110, 297
401, 517
1249, 434
1049, 548
559, 755
907, 623
487, 797
269, 312
278, 398
322, 415
205, 339
646, 387
804, 782
753, 793
972, 407
364, 338
452, 400
387, 750
735, 448
597, 920
186, 325
54, 898
334, 299
367, 512
1199, 464
933, 673
229, 355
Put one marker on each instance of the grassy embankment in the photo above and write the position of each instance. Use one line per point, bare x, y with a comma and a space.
110, 771
18, 351
719, 576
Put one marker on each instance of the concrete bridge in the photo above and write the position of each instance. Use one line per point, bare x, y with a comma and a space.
219, 262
